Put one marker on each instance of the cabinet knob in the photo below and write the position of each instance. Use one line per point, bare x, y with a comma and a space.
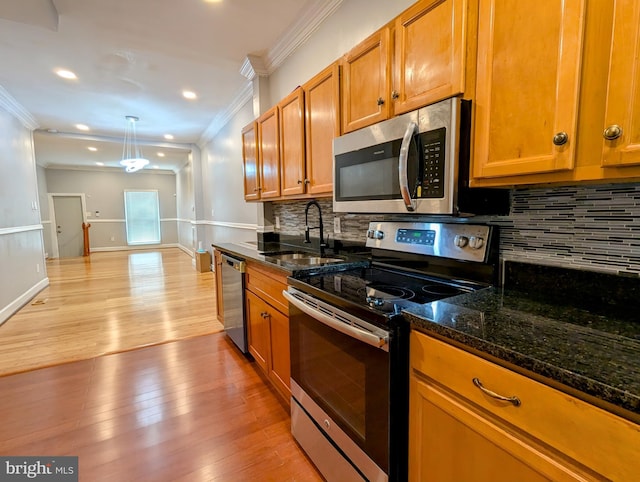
395, 94
561, 138
612, 132
307, 181
299, 181
380, 101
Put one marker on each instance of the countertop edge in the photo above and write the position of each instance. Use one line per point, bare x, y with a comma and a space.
604, 396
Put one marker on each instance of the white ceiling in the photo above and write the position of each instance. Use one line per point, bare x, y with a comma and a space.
135, 57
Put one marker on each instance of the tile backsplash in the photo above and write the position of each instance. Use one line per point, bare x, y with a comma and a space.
587, 227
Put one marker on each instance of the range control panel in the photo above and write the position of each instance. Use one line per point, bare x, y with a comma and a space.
460, 241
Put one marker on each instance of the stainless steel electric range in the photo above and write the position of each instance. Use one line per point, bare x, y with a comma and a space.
350, 348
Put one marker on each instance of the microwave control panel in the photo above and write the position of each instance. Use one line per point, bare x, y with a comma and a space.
432, 146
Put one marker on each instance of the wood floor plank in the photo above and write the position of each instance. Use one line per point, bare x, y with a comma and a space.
194, 409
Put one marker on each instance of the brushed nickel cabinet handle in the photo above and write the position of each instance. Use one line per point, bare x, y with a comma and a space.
561, 138
513, 400
612, 132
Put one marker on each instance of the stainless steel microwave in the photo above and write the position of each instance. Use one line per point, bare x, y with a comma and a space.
414, 163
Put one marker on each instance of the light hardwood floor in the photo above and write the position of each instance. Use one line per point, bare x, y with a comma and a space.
107, 303
190, 410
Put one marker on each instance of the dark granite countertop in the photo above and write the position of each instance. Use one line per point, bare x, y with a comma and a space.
593, 353
265, 255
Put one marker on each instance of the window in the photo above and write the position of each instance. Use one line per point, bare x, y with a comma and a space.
142, 216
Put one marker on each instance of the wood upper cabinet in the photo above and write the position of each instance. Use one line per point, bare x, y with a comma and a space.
527, 87
366, 81
250, 162
429, 61
460, 430
322, 124
622, 118
292, 150
269, 154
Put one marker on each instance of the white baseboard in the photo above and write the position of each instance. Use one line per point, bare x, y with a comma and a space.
187, 250
22, 300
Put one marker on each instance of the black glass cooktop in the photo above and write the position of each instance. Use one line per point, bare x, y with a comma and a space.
383, 290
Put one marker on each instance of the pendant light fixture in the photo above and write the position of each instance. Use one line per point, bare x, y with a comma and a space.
132, 158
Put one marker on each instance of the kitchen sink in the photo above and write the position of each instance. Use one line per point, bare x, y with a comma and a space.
303, 258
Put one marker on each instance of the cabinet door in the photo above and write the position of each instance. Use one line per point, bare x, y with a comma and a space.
366, 82
292, 155
450, 440
280, 373
257, 313
429, 53
250, 162
322, 122
217, 257
269, 154
623, 96
528, 71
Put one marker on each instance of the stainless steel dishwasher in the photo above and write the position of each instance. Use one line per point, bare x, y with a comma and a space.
233, 300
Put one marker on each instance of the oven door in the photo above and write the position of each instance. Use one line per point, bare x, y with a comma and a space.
340, 378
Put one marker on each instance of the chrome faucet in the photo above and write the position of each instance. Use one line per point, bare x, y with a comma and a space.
307, 228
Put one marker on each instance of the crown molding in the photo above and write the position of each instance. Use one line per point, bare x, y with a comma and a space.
253, 65
220, 120
13, 107
307, 23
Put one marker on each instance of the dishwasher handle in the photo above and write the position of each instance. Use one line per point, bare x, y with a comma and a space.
235, 263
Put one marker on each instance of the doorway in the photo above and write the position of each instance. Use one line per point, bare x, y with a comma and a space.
67, 238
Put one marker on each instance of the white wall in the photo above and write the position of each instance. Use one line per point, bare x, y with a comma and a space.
350, 24
226, 216
104, 193
185, 206
22, 263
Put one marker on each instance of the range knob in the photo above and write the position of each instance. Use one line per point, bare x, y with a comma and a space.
476, 242
375, 234
460, 241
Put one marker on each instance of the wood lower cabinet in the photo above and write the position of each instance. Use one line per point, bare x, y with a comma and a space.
460, 432
217, 263
268, 324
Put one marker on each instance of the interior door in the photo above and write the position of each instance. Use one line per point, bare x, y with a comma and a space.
68, 213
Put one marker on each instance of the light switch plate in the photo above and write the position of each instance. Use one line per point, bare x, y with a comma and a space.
336, 225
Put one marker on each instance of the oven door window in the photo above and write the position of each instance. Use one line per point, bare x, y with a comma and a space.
347, 378
372, 173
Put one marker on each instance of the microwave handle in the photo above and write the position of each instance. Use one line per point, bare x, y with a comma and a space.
403, 159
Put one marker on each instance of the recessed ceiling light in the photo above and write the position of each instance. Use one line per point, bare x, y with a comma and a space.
99, 163
66, 74
156, 167
168, 137
212, 1
187, 94
82, 127
92, 149
160, 154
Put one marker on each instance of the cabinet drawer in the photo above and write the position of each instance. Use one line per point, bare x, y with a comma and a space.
594, 437
268, 283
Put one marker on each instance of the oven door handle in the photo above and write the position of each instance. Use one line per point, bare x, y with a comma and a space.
361, 335
403, 168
